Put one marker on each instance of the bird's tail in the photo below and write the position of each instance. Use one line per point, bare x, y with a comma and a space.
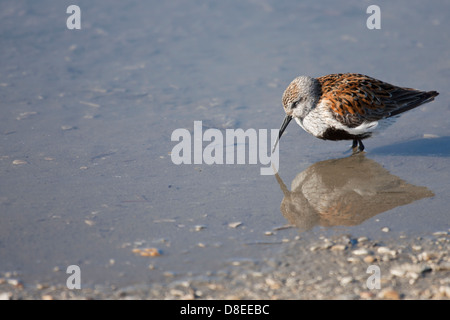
411, 98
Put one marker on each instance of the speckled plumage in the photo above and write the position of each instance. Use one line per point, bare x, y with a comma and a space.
347, 106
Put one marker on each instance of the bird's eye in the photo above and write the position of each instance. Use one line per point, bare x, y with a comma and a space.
295, 103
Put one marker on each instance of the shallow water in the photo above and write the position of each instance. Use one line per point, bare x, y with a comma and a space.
87, 119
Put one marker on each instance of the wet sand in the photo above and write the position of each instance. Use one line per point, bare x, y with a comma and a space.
86, 172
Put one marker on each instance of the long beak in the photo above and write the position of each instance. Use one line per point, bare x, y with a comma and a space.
285, 123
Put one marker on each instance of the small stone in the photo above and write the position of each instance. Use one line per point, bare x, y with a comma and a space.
386, 250
440, 233
89, 222
19, 162
382, 250
390, 294
169, 274
366, 295
90, 104
199, 227
15, 282
5, 295
369, 259
25, 115
147, 252
425, 256
346, 280
273, 284
360, 252
326, 245
443, 266
409, 270
234, 224
47, 297
363, 239
176, 292
385, 229
338, 247
41, 286
67, 128
268, 233
445, 291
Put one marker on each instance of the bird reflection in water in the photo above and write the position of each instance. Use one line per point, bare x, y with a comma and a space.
344, 192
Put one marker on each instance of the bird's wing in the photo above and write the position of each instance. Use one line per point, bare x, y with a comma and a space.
356, 98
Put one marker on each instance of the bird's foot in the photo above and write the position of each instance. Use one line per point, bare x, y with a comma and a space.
356, 147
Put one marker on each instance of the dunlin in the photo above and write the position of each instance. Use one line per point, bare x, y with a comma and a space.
347, 106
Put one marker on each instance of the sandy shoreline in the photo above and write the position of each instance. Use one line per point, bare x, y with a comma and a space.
329, 268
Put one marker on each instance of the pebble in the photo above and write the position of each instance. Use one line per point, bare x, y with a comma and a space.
14, 282
360, 252
273, 284
353, 260
445, 291
169, 274
199, 227
366, 295
386, 250
234, 224
390, 294
19, 162
443, 266
5, 295
409, 270
425, 256
25, 115
147, 252
363, 239
338, 247
385, 229
346, 280
89, 222
67, 128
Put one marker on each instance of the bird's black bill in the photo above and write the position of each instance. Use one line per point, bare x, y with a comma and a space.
285, 123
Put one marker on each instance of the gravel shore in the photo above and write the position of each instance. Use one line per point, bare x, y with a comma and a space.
344, 267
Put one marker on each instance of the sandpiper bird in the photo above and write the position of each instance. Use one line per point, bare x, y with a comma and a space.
347, 106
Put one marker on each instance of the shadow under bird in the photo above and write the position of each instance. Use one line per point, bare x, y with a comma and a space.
347, 106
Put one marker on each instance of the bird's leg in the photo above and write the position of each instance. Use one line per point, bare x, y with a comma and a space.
361, 146
357, 146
